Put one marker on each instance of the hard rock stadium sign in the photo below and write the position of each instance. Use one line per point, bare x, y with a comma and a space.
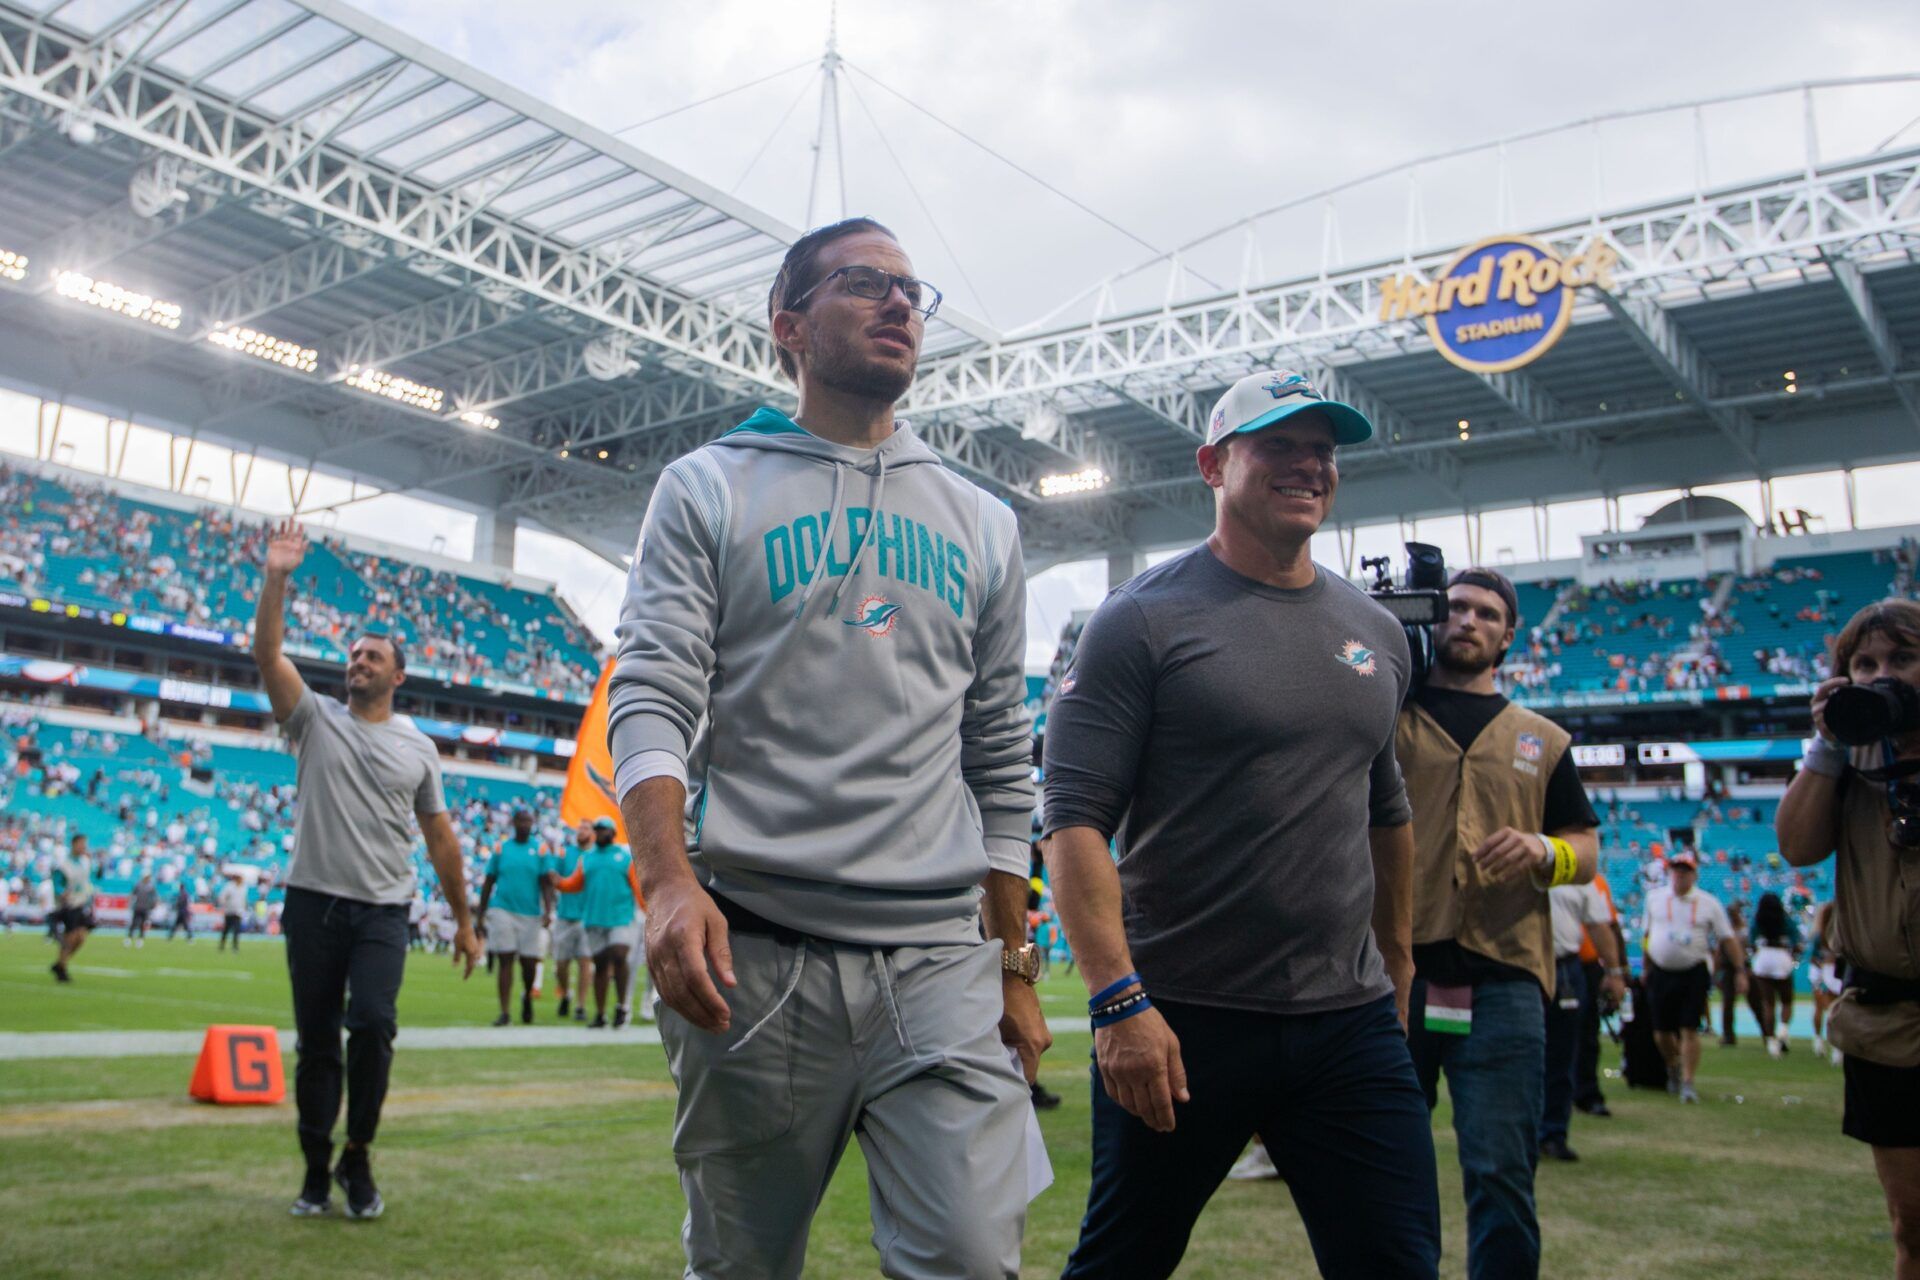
1502, 302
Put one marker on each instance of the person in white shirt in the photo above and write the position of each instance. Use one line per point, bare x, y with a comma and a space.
232, 901
1683, 928
1574, 906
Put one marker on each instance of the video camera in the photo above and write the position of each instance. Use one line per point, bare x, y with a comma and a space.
1420, 603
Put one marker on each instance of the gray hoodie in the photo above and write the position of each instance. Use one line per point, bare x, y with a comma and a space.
828, 643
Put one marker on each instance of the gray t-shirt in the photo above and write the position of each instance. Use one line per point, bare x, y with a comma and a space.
1237, 741
360, 783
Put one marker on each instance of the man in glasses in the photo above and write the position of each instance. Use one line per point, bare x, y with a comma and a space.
1228, 725
822, 752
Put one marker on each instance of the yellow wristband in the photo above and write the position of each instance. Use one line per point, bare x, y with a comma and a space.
1566, 864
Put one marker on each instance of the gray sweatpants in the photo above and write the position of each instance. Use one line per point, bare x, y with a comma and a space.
900, 1049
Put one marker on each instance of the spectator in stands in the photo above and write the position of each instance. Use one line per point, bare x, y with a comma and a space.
1774, 942
73, 896
1500, 816
1863, 805
1683, 927
362, 771
1229, 723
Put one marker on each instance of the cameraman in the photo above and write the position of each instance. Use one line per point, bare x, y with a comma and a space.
1846, 802
1499, 817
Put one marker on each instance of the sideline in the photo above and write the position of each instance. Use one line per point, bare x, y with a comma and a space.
20, 1045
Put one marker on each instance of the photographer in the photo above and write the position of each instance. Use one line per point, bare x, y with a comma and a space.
1864, 805
1500, 817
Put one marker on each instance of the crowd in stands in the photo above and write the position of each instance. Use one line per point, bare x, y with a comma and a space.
183, 811
85, 544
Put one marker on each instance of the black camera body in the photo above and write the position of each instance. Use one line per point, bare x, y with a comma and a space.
1863, 714
1419, 603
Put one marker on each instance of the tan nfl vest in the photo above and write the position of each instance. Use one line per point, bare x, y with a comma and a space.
1876, 923
1459, 798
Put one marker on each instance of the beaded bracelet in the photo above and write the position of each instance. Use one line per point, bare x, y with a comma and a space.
1121, 1010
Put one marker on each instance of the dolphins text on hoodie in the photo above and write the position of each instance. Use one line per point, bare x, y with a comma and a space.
832, 641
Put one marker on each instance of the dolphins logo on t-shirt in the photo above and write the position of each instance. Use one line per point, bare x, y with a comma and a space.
1358, 657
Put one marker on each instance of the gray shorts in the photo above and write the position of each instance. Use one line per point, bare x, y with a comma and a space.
627, 935
509, 933
570, 941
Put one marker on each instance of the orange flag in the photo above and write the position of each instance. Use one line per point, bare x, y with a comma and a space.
589, 792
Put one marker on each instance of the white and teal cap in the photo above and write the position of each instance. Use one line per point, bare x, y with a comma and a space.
1262, 399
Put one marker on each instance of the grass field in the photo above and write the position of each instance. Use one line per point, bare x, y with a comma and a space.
554, 1162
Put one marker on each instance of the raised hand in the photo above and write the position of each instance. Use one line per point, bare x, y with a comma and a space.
286, 546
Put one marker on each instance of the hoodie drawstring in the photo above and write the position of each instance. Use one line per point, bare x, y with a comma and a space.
879, 492
826, 541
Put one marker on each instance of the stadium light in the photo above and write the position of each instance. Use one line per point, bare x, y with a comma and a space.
112, 297
394, 387
264, 346
13, 266
1463, 428
475, 418
1067, 483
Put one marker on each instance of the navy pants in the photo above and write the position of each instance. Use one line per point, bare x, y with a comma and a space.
1563, 1043
1494, 1078
1334, 1097
336, 946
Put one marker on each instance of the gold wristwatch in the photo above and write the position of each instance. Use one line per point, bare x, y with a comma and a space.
1022, 962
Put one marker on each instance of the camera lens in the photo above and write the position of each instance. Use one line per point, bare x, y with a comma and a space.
1861, 714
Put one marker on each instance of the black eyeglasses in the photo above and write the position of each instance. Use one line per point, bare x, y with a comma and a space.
876, 285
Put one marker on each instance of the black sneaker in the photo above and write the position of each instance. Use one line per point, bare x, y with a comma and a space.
526, 1007
315, 1200
580, 1014
1044, 1099
619, 1019
503, 1021
59, 971
1557, 1149
1598, 1110
566, 1006
354, 1173
598, 1023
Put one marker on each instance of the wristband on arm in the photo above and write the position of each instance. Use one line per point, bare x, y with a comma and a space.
1565, 862
1111, 990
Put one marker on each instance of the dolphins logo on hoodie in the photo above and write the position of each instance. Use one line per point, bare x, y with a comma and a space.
874, 615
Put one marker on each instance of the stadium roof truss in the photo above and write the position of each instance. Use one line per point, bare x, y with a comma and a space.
482, 299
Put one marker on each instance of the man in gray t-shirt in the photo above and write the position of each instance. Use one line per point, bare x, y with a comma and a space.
364, 774
1228, 725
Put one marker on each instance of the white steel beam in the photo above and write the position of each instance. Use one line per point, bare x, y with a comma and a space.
1879, 334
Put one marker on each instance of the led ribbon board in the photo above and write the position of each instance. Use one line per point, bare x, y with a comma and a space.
1501, 303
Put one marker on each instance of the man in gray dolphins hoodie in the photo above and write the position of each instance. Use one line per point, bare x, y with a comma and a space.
817, 722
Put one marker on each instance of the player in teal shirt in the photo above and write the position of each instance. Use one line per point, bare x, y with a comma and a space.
570, 930
607, 883
514, 886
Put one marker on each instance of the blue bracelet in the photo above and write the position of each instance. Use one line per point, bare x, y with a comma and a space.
1110, 990
1137, 1007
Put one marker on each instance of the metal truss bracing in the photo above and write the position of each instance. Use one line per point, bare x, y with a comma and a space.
299, 160
1682, 250
1675, 355
1879, 334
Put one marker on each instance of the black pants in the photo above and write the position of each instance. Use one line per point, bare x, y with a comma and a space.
229, 928
183, 921
1333, 1096
334, 944
1586, 1055
1563, 1042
